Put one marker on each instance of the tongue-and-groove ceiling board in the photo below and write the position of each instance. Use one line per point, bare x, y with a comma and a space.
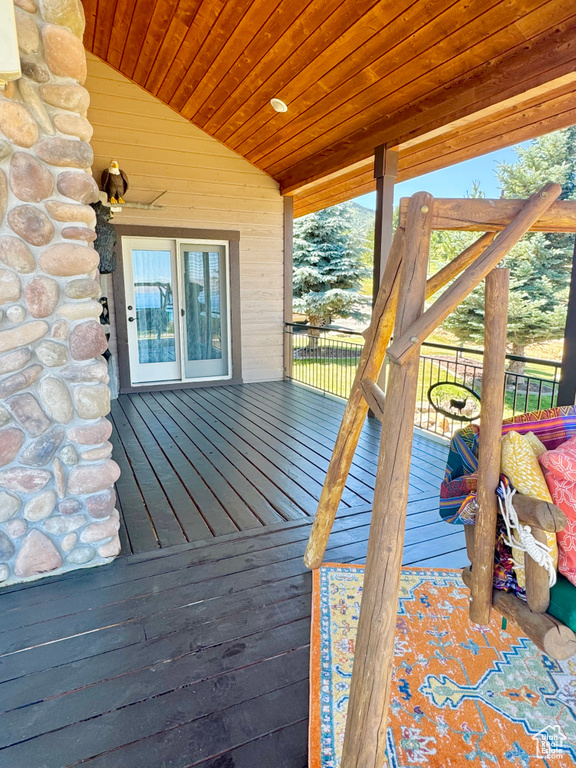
421, 75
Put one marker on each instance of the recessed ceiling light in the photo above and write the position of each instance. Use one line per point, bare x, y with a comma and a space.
278, 105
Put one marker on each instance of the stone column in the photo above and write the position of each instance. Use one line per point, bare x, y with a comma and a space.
56, 475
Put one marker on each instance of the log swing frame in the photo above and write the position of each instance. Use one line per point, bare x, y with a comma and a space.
399, 306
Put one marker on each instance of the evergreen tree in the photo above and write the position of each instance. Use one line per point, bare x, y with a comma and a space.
330, 265
540, 263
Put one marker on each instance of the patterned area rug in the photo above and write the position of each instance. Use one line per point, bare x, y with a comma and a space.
462, 695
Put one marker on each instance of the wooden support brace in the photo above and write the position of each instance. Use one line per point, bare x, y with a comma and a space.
489, 449
377, 336
406, 344
539, 514
365, 738
550, 635
374, 397
537, 579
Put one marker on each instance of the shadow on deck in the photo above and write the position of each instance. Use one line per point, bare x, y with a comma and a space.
197, 654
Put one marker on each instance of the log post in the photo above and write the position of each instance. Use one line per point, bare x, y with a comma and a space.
537, 579
377, 337
469, 536
371, 359
365, 739
489, 450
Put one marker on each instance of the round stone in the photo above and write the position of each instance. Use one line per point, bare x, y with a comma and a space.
69, 542
6, 547
38, 554
78, 185
81, 555
101, 504
16, 254
35, 104
65, 152
66, 13
93, 478
68, 259
84, 288
40, 507
4, 572
42, 450
3, 195
86, 373
99, 531
81, 310
87, 340
31, 224
56, 399
9, 505
91, 435
73, 125
10, 443
29, 179
97, 454
34, 69
16, 528
69, 455
79, 233
60, 524
5, 149
27, 5
64, 52
14, 361
20, 380
93, 401
52, 354
72, 97
27, 412
22, 336
110, 548
28, 34
42, 295
60, 330
10, 289
4, 416
24, 480
17, 124
59, 478
70, 506
71, 212
16, 314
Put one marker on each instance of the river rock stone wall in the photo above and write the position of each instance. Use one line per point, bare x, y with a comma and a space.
57, 504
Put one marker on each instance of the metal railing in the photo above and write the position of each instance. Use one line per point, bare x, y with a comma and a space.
326, 358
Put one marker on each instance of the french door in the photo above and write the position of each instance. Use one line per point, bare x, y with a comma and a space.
177, 308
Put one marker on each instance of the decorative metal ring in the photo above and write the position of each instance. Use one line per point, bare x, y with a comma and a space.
453, 402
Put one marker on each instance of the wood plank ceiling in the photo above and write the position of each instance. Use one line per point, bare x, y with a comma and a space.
441, 80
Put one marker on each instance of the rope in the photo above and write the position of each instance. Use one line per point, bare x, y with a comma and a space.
520, 536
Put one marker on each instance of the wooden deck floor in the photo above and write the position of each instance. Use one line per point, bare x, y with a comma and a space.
209, 462
189, 656
196, 654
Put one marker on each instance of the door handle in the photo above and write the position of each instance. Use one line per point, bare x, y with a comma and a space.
130, 319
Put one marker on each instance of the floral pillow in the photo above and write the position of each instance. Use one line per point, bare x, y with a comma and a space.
521, 467
562, 460
564, 496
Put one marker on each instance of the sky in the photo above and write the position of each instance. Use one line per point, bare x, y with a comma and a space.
454, 181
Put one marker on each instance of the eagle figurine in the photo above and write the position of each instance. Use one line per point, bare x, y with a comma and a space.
114, 183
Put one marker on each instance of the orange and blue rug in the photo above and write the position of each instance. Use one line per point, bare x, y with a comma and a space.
462, 695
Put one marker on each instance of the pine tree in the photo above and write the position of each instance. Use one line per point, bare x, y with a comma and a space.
540, 263
330, 265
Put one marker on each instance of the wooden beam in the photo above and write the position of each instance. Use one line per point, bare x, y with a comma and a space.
530, 211
567, 388
537, 579
374, 396
483, 215
489, 450
462, 261
539, 514
385, 172
365, 738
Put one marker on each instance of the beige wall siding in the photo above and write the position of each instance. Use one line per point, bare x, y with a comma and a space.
209, 186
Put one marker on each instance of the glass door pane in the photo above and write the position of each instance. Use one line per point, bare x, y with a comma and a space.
151, 312
205, 299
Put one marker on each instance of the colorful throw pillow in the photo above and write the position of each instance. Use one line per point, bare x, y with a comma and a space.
562, 460
564, 496
520, 465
